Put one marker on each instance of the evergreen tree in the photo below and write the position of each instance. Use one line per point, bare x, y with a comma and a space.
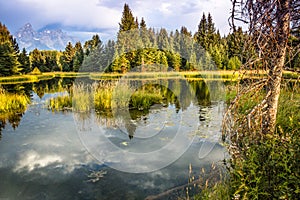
235, 43
184, 31
78, 57
186, 46
145, 35
9, 64
163, 39
201, 34
211, 36
93, 62
92, 44
143, 24
127, 20
67, 58
24, 61
234, 63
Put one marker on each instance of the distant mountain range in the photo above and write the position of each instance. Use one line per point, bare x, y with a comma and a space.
44, 39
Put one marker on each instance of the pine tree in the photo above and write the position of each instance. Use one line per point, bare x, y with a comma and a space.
235, 43
163, 40
67, 58
127, 20
93, 62
211, 30
91, 45
143, 24
78, 57
9, 64
23, 58
201, 34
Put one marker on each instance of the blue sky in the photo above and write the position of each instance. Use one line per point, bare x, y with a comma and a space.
86, 17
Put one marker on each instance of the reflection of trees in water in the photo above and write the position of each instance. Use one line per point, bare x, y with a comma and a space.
143, 95
40, 88
177, 92
52, 86
14, 119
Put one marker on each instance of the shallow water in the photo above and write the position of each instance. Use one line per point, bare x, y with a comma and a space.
55, 155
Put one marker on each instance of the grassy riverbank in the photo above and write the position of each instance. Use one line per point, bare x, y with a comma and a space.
210, 75
269, 169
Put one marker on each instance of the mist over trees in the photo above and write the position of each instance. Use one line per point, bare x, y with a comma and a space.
138, 47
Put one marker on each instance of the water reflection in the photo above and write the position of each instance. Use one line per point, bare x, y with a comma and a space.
144, 99
43, 158
52, 86
130, 104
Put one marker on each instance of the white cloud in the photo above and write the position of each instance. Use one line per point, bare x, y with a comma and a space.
94, 15
80, 13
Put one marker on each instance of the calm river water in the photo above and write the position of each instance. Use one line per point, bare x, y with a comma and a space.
46, 154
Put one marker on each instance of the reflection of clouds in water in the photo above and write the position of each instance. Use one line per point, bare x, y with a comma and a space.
32, 160
38, 144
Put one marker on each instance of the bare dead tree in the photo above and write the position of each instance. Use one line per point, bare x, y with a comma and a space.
269, 26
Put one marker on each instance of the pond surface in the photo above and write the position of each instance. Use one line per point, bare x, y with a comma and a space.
110, 154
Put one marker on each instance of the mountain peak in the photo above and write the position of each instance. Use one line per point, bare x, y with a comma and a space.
28, 25
47, 38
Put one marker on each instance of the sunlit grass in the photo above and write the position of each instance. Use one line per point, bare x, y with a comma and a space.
193, 75
105, 96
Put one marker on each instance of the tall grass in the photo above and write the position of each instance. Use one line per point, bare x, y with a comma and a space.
105, 96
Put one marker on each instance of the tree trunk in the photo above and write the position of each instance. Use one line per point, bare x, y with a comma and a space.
275, 72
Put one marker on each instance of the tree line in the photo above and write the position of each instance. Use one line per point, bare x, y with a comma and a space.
138, 47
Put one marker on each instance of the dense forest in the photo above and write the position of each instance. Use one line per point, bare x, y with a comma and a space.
138, 45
